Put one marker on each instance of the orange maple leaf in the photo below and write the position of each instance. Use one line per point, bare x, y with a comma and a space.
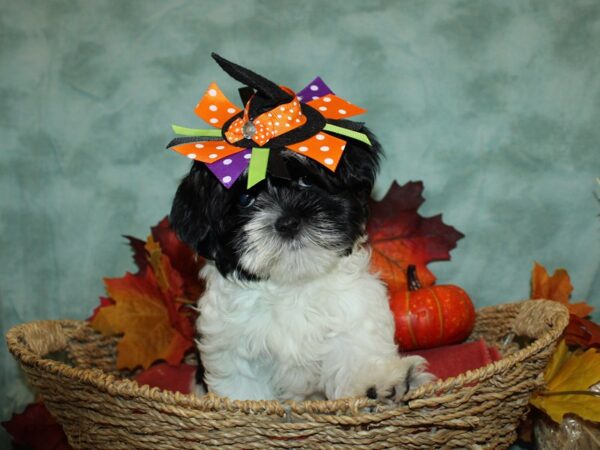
399, 236
557, 287
147, 311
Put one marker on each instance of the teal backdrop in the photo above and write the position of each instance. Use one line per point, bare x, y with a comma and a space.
494, 105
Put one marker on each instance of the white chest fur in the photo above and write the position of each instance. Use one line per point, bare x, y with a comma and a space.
263, 340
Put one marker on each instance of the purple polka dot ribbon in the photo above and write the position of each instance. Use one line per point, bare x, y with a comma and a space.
315, 89
229, 169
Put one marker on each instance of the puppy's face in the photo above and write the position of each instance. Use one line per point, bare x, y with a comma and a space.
284, 230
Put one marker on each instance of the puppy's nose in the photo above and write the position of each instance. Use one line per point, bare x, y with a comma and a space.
287, 225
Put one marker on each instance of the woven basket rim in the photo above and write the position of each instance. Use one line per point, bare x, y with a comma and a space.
16, 339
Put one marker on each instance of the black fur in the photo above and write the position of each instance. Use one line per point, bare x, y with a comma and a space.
209, 218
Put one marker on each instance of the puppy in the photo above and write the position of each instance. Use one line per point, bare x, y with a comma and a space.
291, 310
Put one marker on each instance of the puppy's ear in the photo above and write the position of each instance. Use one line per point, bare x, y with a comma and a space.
359, 165
191, 215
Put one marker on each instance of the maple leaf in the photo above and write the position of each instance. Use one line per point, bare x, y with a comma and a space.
36, 429
399, 236
183, 259
140, 258
172, 285
104, 301
569, 377
557, 287
582, 332
149, 307
148, 312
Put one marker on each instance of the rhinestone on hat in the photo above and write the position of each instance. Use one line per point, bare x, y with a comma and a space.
248, 130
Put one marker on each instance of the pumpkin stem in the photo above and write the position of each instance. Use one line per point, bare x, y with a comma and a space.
413, 281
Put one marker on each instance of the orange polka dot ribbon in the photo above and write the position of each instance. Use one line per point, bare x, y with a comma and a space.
228, 161
214, 108
270, 124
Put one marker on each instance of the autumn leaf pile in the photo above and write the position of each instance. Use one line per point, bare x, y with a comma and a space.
151, 308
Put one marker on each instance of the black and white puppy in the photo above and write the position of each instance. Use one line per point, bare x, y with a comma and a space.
291, 310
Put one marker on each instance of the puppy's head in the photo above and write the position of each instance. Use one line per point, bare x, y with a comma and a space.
280, 229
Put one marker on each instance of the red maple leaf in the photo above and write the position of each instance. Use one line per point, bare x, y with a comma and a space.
36, 429
582, 332
399, 236
140, 257
183, 259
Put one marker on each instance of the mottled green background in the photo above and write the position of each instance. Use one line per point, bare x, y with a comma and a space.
495, 105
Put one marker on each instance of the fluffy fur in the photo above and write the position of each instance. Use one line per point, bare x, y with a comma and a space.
290, 310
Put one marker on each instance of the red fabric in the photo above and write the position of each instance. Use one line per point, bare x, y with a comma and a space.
168, 378
452, 360
444, 362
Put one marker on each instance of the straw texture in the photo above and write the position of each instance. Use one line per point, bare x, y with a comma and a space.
100, 408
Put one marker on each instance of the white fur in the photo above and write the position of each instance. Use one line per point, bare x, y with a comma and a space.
266, 254
331, 333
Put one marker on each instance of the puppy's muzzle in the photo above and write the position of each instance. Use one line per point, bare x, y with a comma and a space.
288, 225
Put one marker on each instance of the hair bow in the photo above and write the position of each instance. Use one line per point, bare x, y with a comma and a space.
273, 118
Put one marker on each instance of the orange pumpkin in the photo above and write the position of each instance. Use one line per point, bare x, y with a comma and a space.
432, 316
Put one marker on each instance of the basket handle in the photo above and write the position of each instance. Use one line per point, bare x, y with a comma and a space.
535, 317
38, 339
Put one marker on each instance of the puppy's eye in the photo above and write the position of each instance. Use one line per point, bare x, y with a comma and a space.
304, 182
246, 200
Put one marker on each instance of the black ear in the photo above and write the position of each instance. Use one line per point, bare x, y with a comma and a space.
192, 215
359, 165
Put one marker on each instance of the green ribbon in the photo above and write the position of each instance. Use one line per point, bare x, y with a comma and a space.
196, 132
257, 170
362, 137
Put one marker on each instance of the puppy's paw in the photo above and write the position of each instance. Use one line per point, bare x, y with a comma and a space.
398, 376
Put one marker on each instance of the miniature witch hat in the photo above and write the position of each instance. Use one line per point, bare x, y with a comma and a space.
273, 118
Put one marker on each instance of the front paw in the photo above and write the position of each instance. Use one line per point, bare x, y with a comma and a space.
393, 379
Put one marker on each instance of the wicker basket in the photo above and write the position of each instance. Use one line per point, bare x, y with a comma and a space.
100, 409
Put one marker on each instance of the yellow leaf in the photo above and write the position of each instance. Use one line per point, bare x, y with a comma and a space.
556, 406
560, 355
579, 372
569, 378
